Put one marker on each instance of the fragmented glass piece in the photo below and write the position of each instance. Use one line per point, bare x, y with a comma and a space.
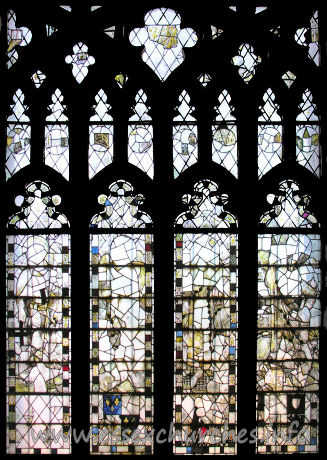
56, 145
233, 8
276, 31
247, 61
289, 78
110, 31
100, 136
95, 7
204, 79
163, 41
50, 30
311, 39
185, 136
270, 144
140, 136
121, 208
215, 32
300, 36
38, 78
38, 328
121, 343
224, 135
80, 61
289, 284
260, 9
205, 326
205, 208
308, 152
18, 151
121, 79
66, 7
38, 209
16, 37
289, 208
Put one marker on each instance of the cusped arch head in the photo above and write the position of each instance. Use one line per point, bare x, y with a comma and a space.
38, 209
289, 208
121, 208
206, 208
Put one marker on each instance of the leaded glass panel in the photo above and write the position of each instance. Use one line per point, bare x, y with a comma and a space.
38, 327
185, 136
140, 136
121, 322
205, 326
18, 152
56, 144
224, 135
308, 135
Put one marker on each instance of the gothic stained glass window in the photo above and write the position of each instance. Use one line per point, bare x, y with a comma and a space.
211, 112
38, 325
56, 143
121, 325
270, 145
140, 135
101, 135
308, 134
185, 136
224, 135
289, 286
18, 152
205, 323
